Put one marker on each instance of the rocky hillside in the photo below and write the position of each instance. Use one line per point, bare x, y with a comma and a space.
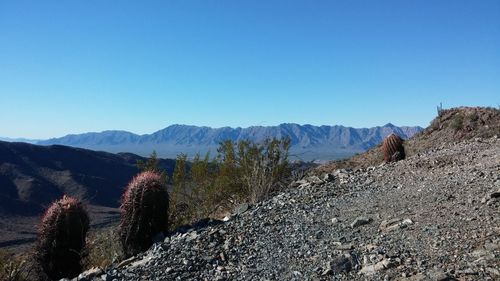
308, 142
451, 125
433, 216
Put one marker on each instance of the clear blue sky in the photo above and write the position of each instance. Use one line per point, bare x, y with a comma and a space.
82, 65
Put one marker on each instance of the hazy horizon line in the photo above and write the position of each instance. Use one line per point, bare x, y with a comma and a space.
3, 137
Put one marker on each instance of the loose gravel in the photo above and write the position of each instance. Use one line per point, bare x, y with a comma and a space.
433, 216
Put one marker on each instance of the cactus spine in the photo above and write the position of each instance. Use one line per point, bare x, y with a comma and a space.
144, 212
393, 148
61, 238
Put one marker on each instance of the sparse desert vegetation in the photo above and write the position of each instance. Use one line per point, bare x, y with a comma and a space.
205, 188
397, 221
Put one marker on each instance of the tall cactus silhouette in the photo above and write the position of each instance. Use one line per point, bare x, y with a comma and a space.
61, 238
144, 212
393, 148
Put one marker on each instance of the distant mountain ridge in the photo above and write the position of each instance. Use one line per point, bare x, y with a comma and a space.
32, 141
308, 142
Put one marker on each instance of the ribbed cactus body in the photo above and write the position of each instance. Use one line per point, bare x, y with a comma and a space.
144, 212
393, 148
61, 238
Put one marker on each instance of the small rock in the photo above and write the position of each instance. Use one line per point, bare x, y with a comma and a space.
315, 180
360, 221
299, 183
126, 262
493, 271
467, 271
491, 246
328, 177
495, 194
416, 277
221, 268
438, 275
340, 264
192, 236
369, 270
241, 209
344, 247
89, 274
374, 268
327, 271
394, 224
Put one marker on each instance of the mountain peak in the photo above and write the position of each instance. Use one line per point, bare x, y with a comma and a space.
309, 142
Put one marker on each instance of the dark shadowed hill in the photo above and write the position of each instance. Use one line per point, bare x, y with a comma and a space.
32, 176
308, 142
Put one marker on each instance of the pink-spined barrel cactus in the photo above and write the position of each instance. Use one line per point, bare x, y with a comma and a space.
144, 212
393, 148
61, 238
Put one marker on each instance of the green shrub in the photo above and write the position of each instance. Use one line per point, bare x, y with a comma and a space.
241, 172
457, 122
473, 117
102, 249
152, 164
14, 268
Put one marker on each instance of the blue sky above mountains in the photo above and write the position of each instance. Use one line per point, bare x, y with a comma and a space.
77, 66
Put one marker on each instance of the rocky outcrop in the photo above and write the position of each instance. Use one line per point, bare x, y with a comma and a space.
433, 216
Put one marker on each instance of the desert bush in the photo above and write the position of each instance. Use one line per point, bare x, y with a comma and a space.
457, 122
144, 212
241, 172
180, 211
152, 164
264, 167
473, 117
250, 171
102, 249
61, 238
14, 268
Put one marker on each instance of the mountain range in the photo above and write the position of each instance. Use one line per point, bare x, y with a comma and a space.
308, 142
32, 176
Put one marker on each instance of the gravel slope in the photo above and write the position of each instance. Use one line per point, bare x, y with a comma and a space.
434, 216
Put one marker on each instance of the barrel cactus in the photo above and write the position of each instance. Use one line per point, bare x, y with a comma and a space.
61, 238
144, 212
393, 148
